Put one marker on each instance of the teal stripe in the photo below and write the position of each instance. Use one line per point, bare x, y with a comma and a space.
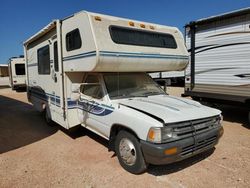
125, 54
141, 55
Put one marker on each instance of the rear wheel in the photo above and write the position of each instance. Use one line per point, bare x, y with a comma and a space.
48, 117
128, 151
249, 118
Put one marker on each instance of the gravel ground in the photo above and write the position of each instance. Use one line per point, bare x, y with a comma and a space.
33, 154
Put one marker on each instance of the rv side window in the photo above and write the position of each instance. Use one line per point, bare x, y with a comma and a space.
43, 57
20, 69
123, 35
92, 88
73, 40
55, 57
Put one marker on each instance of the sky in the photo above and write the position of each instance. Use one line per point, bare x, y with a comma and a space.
20, 19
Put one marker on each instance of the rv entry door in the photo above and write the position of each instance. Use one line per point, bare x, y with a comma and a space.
56, 106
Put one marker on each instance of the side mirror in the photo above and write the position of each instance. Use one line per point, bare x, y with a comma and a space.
75, 88
75, 91
78, 89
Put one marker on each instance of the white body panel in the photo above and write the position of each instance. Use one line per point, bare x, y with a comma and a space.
222, 56
17, 75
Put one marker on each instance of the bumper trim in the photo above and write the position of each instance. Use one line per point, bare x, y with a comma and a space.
188, 147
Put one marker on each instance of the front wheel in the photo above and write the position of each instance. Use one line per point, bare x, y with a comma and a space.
128, 151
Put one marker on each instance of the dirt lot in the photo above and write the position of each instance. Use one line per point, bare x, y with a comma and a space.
33, 154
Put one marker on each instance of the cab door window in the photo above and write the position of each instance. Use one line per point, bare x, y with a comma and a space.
92, 87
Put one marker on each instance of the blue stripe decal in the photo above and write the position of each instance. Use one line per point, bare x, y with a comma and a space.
85, 105
125, 54
83, 55
93, 108
141, 55
55, 100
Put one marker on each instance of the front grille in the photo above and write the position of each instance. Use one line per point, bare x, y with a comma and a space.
188, 150
200, 134
194, 127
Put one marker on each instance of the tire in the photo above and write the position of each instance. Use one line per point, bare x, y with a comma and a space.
249, 118
128, 151
48, 118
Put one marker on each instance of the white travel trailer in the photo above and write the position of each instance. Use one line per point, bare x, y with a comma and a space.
220, 59
90, 69
17, 75
170, 78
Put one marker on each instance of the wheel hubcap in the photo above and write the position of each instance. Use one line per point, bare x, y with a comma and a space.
127, 151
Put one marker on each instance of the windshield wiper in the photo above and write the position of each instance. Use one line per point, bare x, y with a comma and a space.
152, 93
137, 96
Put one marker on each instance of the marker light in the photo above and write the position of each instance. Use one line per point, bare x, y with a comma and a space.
142, 26
154, 135
171, 151
131, 23
151, 27
98, 18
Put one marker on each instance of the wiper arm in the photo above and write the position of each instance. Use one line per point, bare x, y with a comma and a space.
137, 96
152, 93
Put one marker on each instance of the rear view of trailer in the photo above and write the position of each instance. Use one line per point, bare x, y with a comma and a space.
17, 75
219, 50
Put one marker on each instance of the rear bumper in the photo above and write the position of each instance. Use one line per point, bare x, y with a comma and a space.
155, 153
18, 86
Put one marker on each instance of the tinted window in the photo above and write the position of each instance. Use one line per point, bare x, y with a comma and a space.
43, 57
94, 88
55, 57
122, 35
20, 69
73, 40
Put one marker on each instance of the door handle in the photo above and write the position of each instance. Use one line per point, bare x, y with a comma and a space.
55, 77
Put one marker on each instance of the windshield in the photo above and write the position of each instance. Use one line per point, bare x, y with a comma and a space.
124, 85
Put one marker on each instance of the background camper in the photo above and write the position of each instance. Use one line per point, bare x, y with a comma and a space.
173, 78
219, 68
17, 75
90, 70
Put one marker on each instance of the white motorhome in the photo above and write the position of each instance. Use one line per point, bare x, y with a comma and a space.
90, 69
219, 67
17, 75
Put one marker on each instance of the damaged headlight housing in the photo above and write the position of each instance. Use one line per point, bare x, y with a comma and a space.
217, 121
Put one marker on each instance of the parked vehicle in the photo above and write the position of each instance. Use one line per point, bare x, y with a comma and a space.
173, 78
219, 51
90, 69
17, 75
4, 72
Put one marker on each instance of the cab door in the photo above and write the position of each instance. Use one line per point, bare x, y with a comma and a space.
93, 104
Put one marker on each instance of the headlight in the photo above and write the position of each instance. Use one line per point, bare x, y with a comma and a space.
159, 134
167, 133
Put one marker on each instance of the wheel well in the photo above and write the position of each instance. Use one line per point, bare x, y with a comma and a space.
248, 103
115, 129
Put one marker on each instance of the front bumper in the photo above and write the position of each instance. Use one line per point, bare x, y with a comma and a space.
155, 153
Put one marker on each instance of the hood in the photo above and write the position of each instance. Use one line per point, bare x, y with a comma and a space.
170, 109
